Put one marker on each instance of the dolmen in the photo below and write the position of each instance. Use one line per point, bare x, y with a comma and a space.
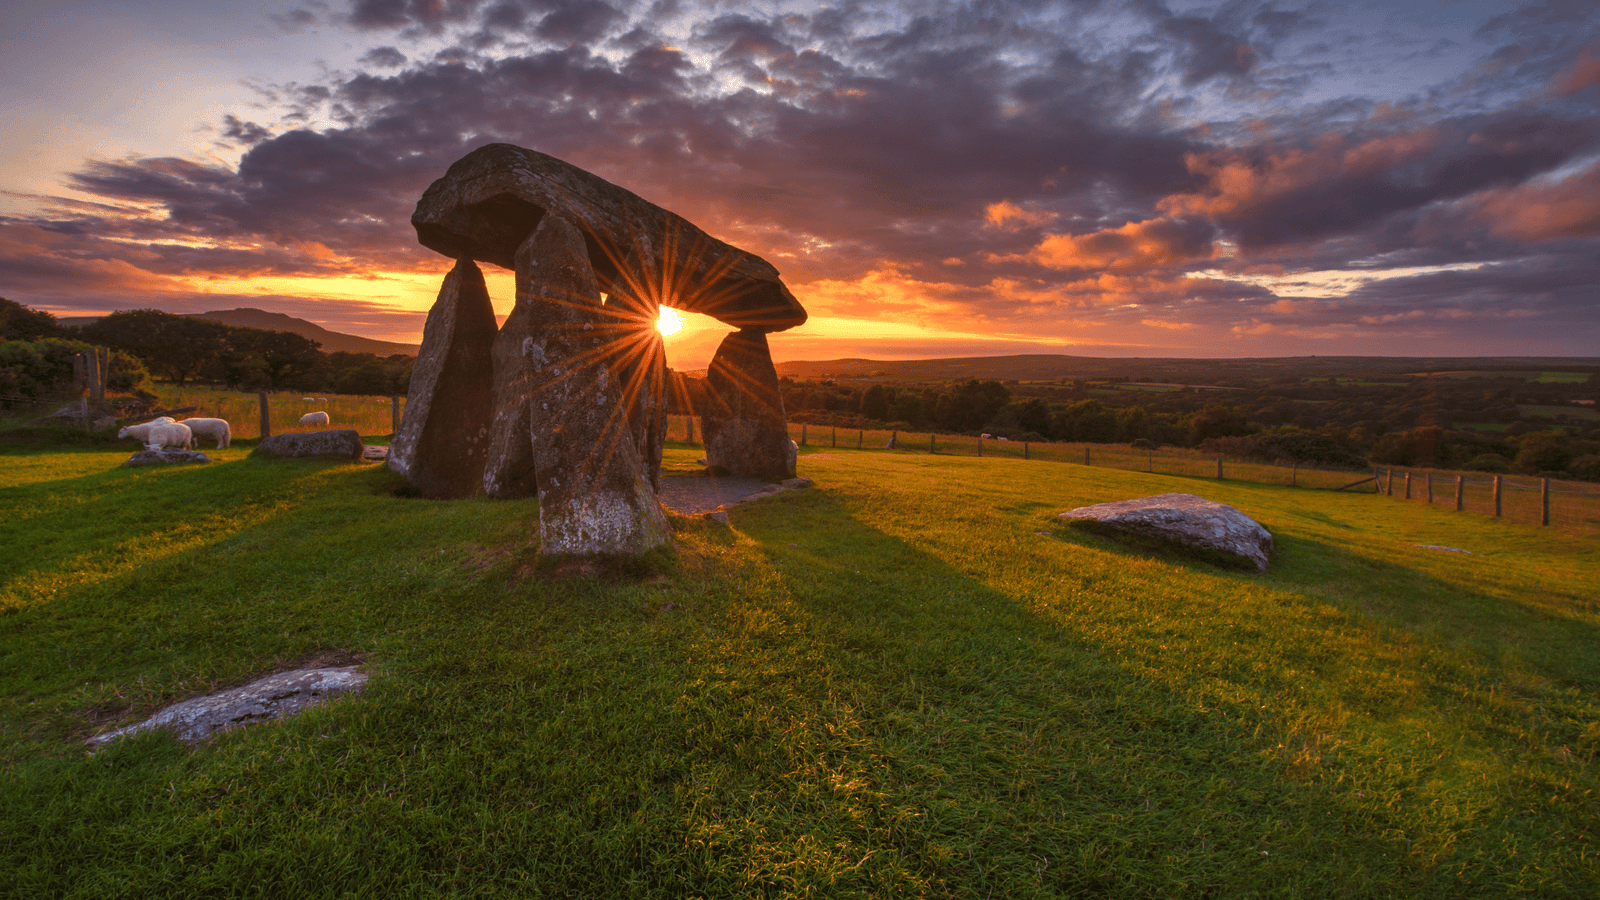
566, 399
1186, 523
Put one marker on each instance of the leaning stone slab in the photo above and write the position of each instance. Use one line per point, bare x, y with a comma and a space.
441, 445
490, 200
343, 443
276, 696
165, 458
1213, 531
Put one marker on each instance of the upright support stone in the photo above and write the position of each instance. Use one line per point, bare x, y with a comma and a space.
594, 497
745, 431
509, 472
443, 439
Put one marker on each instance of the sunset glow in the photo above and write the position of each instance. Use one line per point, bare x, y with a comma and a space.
669, 322
1344, 178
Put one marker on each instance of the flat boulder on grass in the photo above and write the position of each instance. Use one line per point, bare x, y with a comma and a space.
1194, 525
275, 696
343, 443
165, 458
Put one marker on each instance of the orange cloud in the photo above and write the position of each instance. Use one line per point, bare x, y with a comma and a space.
1134, 247
1002, 214
1537, 212
1584, 72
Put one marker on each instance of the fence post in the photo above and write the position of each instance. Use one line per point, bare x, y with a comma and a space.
859, 434
1458, 493
266, 419
835, 435
1025, 450
689, 424
394, 414
1388, 483
1294, 475
1149, 459
1544, 500
1430, 487
802, 434
1408, 484
932, 447
1086, 455
980, 445
1497, 496
1219, 468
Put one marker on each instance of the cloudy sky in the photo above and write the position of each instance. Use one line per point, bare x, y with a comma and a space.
1139, 178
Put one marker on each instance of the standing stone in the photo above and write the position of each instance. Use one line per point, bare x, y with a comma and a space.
444, 435
593, 495
745, 430
509, 472
642, 368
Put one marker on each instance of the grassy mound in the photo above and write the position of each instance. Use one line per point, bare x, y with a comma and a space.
911, 680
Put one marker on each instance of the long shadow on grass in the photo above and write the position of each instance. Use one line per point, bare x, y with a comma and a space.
993, 748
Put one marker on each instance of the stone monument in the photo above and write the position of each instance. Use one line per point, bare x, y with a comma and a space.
566, 399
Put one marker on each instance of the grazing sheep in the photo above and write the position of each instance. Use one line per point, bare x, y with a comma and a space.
169, 435
214, 429
314, 418
141, 432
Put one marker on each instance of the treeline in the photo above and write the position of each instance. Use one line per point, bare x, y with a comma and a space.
182, 349
1354, 426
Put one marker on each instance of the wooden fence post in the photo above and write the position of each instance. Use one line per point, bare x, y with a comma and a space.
1408, 484
1544, 500
836, 435
1219, 468
1388, 483
1149, 459
1294, 475
266, 419
1458, 493
394, 414
1025, 450
932, 447
980, 445
1430, 487
859, 434
802, 434
1497, 496
689, 424
1086, 455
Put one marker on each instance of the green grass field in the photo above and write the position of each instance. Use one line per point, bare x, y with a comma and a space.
909, 681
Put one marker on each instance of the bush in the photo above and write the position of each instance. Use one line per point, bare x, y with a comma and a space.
1544, 451
1487, 462
1586, 467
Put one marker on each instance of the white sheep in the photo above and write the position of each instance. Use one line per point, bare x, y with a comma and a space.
214, 429
314, 418
173, 435
141, 431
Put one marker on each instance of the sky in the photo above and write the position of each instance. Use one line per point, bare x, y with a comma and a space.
932, 179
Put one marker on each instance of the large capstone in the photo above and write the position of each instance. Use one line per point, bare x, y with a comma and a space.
594, 497
490, 200
745, 430
442, 443
1192, 525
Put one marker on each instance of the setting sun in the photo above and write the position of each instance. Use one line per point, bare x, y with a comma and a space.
669, 322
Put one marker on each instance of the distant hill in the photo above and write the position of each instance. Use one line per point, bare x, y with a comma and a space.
331, 341
1055, 367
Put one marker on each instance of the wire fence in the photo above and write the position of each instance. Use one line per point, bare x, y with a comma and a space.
1568, 505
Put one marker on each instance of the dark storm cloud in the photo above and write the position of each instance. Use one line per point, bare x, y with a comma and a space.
965, 144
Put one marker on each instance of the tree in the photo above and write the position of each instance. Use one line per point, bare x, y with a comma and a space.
19, 323
177, 348
1543, 451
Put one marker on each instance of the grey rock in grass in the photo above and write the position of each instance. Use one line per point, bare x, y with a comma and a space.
343, 443
165, 458
441, 445
276, 696
1212, 531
